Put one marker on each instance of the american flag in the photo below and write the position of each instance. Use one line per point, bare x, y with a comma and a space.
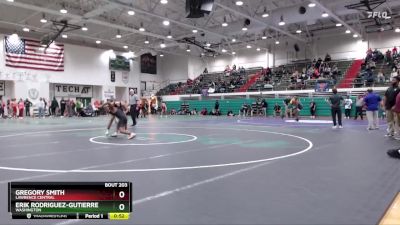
29, 54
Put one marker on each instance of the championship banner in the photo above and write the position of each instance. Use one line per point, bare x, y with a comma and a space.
2, 88
71, 90
148, 64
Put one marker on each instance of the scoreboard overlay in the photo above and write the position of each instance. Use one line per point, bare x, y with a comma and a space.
70, 200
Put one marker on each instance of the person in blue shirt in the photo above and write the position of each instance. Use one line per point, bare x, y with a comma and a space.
372, 101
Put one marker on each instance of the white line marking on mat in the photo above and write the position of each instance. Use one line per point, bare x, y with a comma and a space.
183, 188
310, 145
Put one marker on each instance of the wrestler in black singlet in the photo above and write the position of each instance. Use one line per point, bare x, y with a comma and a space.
122, 120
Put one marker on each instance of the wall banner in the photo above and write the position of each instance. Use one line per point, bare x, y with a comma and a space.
71, 90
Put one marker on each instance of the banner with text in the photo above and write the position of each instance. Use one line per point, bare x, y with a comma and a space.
71, 90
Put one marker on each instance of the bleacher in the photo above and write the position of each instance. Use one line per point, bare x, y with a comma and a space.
206, 81
283, 82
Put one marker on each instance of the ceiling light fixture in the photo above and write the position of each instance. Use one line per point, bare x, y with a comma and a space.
118, 34
277, 42
397, 30
208, 44
98, 42
355, 35
64, 36
265, 14
63, 10
348, 32
194, 31
248, 46
233, 40
281, 23
311, 5
298, 31
244, 28
239, 3
131, 12
258, 49
169, 36
161, 55
233, 53
164, 2
162, 45
125, 46
223, 50
166, 22
84, 28
146, 41
43, 20
324, 14
141, 27
25, 29
224, 24
339, 24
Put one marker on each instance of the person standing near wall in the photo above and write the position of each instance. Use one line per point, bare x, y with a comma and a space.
372, 101
313, 109
133, 102
21, 107
62, 106
335, 103
40, 106
28, 105
388, 102
2, 105
347, 107
359, 107
54, 105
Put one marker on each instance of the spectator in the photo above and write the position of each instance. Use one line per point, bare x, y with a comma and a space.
294, 107
14, 107
313, 109
21, 107
388, 56
348, 103
41, 108
335, 103
204, 112
372, 101
205, 70
244, 110
327, 58
230, 113
216, 107
394, 52
54, 105
388, 102
63, 104
79, 107
2, 105
28, 105
394, 73
286, 102
359, 106
381, 77
277, 110
264, 107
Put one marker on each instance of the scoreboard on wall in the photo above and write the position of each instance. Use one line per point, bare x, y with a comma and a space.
70, 200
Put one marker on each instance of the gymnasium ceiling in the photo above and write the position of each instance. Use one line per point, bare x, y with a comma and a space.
107, 18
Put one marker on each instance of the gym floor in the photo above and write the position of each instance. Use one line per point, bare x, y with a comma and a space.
208, 170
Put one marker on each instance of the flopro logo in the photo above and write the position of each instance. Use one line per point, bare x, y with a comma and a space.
378, 14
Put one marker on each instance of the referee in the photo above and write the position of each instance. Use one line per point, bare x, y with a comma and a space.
133, 102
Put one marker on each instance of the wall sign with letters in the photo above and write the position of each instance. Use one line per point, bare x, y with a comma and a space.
71, 90
2, 88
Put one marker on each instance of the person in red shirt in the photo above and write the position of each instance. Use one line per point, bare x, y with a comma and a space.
14, 107
21, 106
394, 51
